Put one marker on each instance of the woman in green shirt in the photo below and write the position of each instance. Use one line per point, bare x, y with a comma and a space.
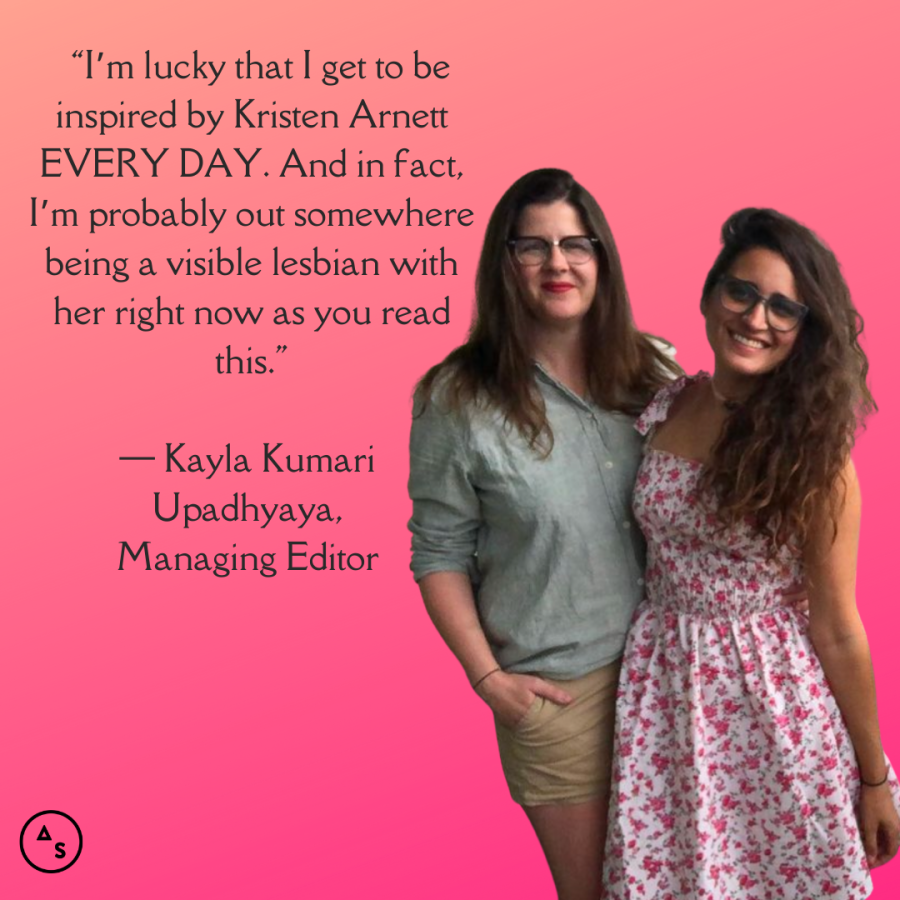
523, 458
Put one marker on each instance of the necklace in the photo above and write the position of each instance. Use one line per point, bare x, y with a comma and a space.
727, 402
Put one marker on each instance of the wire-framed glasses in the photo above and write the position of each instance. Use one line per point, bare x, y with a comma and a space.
535, 251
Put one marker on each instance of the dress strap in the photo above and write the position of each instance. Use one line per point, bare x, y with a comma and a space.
658, 410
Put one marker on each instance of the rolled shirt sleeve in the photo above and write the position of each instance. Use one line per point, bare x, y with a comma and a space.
446, 510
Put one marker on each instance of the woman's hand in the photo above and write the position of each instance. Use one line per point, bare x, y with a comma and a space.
879, 824
796, 597
510, 695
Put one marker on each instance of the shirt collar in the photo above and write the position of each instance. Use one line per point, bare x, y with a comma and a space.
546, 377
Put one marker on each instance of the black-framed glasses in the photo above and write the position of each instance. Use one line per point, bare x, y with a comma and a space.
535, 251
739, 296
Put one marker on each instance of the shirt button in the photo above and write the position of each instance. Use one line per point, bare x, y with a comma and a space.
608, 464
626, 525
640, 581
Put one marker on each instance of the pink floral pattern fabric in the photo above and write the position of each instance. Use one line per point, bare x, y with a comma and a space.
734, 775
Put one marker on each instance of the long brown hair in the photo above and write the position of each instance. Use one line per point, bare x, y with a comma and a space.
780, 454
495, 365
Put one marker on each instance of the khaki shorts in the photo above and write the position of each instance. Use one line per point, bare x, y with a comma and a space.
563, 754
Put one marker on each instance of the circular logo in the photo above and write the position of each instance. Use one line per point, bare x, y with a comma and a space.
50, 841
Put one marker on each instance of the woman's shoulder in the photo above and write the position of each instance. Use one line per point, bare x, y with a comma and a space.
434, 391
661, 405
447, 403
666, 348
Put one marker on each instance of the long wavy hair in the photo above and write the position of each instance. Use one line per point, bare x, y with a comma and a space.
781, 453
495, 365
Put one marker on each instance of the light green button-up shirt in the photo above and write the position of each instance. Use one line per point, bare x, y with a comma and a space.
550, 545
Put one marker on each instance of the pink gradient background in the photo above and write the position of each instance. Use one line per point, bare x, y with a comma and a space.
309, 735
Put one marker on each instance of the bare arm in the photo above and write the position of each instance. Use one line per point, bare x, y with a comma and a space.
451, 604
840, 640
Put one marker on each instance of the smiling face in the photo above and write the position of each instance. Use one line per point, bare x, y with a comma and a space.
558, 293
745, 346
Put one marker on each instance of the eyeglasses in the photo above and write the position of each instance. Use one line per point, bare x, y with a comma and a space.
782, 313
535, 251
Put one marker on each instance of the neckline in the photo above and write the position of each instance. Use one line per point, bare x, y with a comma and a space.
694, 463
685, 381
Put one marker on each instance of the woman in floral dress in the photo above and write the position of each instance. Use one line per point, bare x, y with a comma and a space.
523, 456
748, 761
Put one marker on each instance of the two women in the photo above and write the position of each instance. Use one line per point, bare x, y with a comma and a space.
732, 753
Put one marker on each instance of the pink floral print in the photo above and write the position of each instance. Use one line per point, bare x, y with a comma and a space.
734, 776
